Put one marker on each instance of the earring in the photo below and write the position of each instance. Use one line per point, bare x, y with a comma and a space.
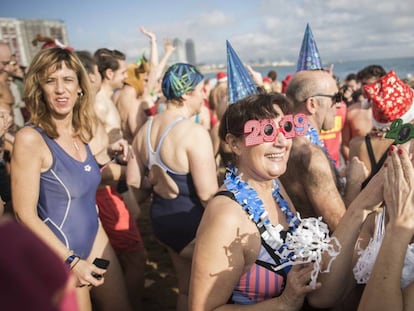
80, 93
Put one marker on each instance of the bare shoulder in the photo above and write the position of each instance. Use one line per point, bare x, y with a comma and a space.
101, 102
29, 144
28, 137
191, 133
302, 151
225, 212
127, 93
309, 158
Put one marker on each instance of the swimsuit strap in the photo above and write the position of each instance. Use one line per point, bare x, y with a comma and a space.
154, 156
270, 251
370, 151
375, 166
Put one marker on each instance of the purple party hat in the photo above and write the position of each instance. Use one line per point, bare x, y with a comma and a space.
309, 58
240, 83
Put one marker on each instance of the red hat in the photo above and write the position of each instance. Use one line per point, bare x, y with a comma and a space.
221, 76
391, 98
285, 82
50, 42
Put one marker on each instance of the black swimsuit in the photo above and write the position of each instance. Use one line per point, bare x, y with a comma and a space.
375, 166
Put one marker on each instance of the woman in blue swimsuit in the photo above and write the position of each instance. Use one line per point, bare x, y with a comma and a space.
54, 174
178, 155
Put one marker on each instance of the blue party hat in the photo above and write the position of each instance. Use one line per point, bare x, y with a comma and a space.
240, 83
309, 58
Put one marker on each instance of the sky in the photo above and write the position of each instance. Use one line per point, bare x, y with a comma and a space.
270, 30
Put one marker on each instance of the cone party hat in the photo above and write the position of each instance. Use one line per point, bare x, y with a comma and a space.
240, 83
309, 58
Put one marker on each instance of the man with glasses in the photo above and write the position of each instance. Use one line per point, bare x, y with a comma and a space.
311, 179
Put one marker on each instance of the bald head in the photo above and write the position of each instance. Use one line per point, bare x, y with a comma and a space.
307, 83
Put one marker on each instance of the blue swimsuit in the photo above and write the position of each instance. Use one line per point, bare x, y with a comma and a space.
174, 221
67, 198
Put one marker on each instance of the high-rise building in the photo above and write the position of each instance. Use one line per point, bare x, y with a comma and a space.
190, 51
21, 32
179, 54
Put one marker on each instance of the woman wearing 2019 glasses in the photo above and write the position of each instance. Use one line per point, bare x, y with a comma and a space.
239, 254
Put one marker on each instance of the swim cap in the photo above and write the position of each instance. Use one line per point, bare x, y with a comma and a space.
179, 79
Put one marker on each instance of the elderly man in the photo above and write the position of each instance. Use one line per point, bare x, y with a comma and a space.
311, 179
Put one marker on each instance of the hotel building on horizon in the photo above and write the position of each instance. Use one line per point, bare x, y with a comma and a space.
184, 52
19, 33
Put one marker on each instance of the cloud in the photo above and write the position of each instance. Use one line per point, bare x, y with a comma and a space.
215, 19
269, 29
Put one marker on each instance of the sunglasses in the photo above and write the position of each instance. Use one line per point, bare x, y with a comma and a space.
400, 132
336, 98
8, 62
266, 130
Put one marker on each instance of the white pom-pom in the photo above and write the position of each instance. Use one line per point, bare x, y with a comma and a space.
307, 244
407, 276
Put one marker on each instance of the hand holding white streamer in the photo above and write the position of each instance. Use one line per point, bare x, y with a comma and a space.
307, 244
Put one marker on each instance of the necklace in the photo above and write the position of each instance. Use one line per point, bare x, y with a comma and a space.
75, 144
248, 198
306, 239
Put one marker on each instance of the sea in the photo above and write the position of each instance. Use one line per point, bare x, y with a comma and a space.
403, 67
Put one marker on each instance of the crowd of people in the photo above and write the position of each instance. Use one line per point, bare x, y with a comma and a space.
293, 195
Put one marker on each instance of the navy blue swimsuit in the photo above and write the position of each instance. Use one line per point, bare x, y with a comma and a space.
67, 198
174, 221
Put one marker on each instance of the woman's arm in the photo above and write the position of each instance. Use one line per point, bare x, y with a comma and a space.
28, 158
202, 163
169, 48
356, 173
154, 49
337, 281
152, 78
383, 290
135, 172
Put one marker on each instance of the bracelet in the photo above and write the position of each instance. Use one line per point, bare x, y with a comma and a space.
75, 262
151, 111
72, 259
68, 253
